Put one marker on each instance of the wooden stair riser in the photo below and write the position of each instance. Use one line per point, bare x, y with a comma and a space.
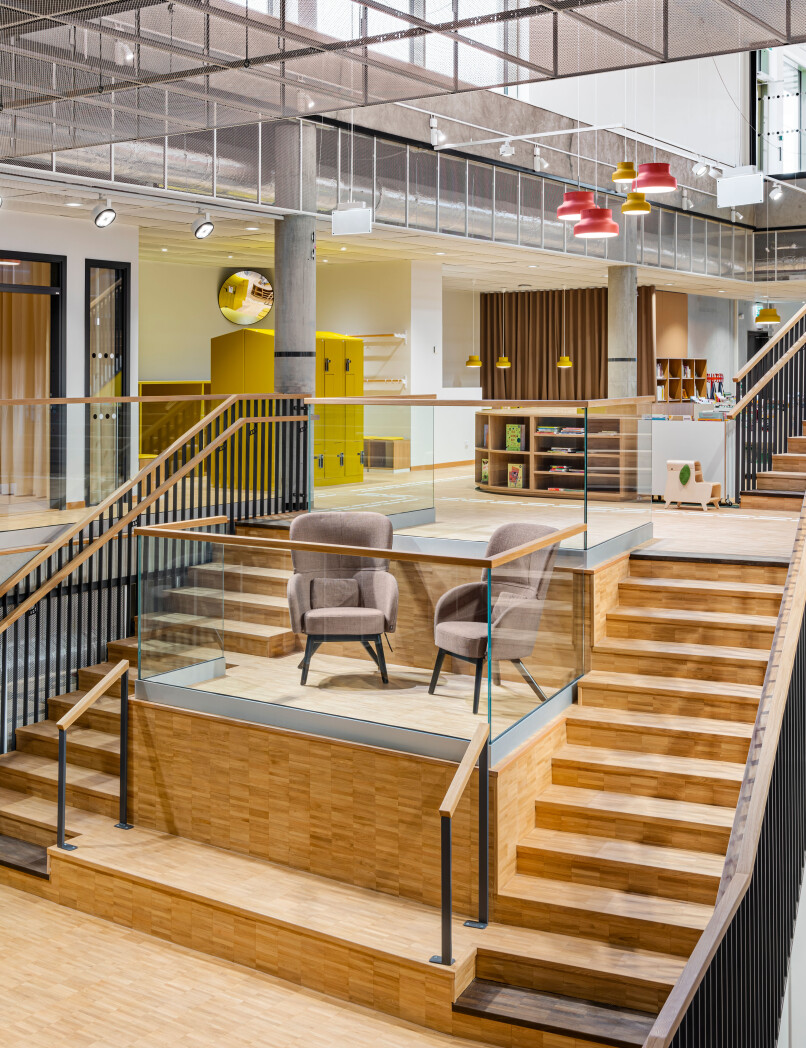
693, 632
24, 830
693, 704
633, 594
644, 782
790, 462
707, 666
100, 719
229, 608
618, 875
706, 746
236, 582
779, 480
77, 796
710, 571
758, 500
613, 928
78, 754
626, 990
89, 676
796, 445
189, 639
255, 558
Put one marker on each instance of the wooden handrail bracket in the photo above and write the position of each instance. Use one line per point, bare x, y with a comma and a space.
92, 696
450, 802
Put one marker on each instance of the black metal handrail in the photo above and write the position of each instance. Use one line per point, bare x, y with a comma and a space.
478, 750
118, 672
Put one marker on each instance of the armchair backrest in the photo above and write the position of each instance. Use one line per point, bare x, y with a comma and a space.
337, 528
529, 574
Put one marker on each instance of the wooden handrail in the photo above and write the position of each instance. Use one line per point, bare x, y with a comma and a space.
450, 802
183, 525
92, 696
740, 858
414, 400
776, 338
123, 521
52, 401
168, 531
751, 394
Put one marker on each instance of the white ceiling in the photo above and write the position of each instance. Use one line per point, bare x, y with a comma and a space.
165, 236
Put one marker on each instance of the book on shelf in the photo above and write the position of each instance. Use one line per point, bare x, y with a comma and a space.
572, 429
548, 429
515, 475
661, 394
574, 490
486, 431
515, 436
566, 451
485, 471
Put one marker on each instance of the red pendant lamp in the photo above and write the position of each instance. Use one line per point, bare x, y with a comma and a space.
654, 179
596, 224
574, 203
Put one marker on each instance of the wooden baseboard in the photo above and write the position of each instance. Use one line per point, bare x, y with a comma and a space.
445, 465
81, 504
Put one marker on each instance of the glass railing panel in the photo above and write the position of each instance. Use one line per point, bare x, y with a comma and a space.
374, 457
180, 608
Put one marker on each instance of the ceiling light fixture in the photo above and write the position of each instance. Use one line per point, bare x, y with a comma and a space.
507, 149
654, 179
252, 229
768, 315
715, 172
163, 249
564, 360
699, 167
625, 172
735, 216
439, 252
73, 203
124, 55
203, 227
9, 261
776, 192
539, 162
687, 202
473, 361
636, 204
103, 214
596, 224
435, 134
342, 249
575, 201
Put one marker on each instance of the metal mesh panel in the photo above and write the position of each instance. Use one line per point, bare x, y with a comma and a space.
615, 247
667, 238
553, 231
90, 162
452, 195
480, 201
683, 242
390, 182
422, 189
237, 155
725, 251
697, 245
327, 168
791, 254
506, 206
141, 163
712, 249
531, 211
740, 246
355, 184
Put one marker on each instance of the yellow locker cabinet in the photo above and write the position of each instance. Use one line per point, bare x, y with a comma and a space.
243, 362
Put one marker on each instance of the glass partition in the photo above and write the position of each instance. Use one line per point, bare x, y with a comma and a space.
423, 634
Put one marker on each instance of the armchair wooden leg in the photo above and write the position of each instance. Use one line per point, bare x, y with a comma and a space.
381, 659
310, 647
437, 670
477, 685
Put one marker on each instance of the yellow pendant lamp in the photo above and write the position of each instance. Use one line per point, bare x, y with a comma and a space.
564, 361
625, 172
636, 204
768, 315
503, 362
473, 361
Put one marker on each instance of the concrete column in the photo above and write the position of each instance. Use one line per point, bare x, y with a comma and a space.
295, 262
622, 331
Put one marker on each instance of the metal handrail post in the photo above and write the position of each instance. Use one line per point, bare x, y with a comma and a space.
61, 803
124, 823
446, 957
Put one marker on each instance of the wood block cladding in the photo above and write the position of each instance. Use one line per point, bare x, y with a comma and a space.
362, 815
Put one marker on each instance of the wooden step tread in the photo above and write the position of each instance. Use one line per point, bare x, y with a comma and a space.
623, 852
23, 856
246, 570
109, 703
660, 721
564, 1016
205, 593
784, 474
571, 895
662, 763
720, 589
46, 770
253, 888
692, 617
671, 685
102, 668
184, 619
657, 808
41, 812
666, 649
86, 737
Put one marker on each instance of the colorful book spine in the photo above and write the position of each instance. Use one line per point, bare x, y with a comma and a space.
515, 436
485, 471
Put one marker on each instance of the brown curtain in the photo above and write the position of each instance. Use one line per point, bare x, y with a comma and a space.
527, 326
24, 373
647, 387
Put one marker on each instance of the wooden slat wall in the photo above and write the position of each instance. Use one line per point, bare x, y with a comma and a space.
365, 816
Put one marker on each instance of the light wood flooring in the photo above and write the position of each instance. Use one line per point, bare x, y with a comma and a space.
78, 981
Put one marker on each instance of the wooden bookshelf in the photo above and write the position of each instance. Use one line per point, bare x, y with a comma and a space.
613, 454
678, 379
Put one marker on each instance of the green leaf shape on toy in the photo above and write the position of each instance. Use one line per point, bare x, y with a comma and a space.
685, 475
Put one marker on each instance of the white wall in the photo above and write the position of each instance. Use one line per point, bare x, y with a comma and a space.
460, 338
711, 334
426, 327
179, 315
683, 102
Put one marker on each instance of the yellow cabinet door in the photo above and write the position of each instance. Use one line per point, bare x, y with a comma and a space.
354, 444
333, 443
353, 367
333, 367
258, 362
226, 363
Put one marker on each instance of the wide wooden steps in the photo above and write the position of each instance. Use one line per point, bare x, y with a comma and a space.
103, 715
741, 597
715, 571
597, 911
780, 481
667, 659
33, 818
188, 632
242, 578
691, 626
277, 919
239, 607
554, 1014
676, 696
702, 737
780, 501
88, 747
23, 856
86, 788
92, 675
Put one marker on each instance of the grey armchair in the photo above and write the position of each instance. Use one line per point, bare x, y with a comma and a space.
518, 591
335, 597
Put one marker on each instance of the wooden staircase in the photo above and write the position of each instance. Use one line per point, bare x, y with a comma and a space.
630, 833
783, 486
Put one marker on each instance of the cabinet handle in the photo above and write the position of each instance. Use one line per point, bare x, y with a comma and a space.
361, 458
341, 458
320, 461
347, 363
327, 363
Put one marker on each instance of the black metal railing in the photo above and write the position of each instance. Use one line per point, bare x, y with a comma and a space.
775, 413
739, 1000
241, 465
478, 750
